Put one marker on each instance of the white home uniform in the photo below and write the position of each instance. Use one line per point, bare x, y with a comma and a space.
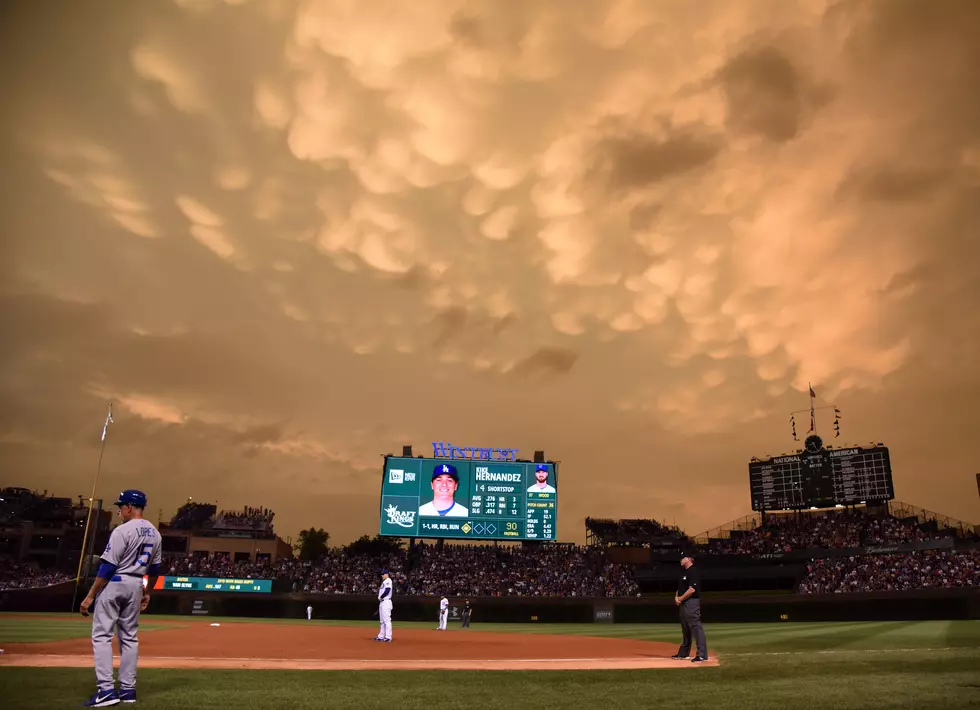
309, 613
443, 613
384, 609
457, 511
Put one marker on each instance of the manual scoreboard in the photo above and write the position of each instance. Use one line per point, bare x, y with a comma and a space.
818, 477
469, 499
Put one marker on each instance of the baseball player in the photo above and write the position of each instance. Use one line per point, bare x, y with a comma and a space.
118, 595
540, 484
445, 482
309, 613
384, 607
443, 613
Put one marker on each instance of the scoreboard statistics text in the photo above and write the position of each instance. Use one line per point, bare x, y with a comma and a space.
822, 479
469, 499
213, 584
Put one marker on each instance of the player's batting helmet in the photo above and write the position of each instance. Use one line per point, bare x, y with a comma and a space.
132, 497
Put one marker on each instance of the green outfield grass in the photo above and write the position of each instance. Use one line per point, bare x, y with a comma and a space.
815, 665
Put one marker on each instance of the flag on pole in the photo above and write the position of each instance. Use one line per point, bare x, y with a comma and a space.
108, 418
813, 421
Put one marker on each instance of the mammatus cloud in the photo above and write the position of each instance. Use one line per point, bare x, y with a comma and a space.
287, 237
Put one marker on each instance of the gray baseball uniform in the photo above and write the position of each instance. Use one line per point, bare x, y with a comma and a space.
133, 548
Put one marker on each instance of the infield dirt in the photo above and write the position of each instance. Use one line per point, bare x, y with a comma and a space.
233, 645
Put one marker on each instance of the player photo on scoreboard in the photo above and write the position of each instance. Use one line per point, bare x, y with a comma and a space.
541, 484
445, 492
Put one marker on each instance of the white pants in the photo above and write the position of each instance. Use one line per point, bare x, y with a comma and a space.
443, 616
308, 613
384, 614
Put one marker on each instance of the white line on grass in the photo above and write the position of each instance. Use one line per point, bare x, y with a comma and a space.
840, 651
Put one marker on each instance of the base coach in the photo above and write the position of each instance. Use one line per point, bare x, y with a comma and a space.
688, 601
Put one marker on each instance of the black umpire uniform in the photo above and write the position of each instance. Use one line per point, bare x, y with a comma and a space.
689, 608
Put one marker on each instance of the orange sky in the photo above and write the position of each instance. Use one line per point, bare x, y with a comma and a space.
287, 237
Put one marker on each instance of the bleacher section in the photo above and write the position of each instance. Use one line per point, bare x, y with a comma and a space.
633, 533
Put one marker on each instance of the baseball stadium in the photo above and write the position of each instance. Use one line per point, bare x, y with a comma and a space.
272, 269
874, 605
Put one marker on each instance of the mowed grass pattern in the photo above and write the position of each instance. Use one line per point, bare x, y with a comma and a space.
934, 664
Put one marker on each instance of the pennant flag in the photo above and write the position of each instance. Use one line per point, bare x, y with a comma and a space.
108, 418
792, 421
836, 413
812, 394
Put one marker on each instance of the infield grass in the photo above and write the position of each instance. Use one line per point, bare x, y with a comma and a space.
934, 664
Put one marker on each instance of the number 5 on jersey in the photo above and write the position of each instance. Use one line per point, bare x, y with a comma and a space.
146, 549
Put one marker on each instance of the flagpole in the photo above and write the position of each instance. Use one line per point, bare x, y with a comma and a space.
91, 505
813, 421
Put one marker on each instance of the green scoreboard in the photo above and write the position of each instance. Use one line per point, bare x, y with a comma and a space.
469, 499
214, 584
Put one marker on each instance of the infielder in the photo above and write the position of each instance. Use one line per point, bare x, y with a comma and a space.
309, 613
384, 607
443, 613
134, 550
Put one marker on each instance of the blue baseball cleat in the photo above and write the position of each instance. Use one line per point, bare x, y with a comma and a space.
127, 695
102, 699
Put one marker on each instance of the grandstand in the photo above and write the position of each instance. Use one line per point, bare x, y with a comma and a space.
633, 533
889, 547
201, 531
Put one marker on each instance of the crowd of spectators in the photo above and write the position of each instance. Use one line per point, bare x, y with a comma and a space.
21, 575
645, 531
461, 570
832, 530
549, 571
247, 519
928, 569
193, 516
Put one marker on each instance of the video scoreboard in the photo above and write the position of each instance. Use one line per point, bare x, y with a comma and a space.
822, 478
213, 584
469, 499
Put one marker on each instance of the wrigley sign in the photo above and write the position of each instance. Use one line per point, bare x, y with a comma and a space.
445, 450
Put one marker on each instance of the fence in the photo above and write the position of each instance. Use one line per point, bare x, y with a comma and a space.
960, 603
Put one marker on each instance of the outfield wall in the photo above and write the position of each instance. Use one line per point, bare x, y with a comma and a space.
937, 604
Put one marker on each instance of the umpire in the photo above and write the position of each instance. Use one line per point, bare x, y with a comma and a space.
688, 601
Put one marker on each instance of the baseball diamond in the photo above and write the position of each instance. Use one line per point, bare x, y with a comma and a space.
187, 661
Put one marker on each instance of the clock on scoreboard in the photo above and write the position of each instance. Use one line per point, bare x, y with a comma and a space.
469, 499
820, 477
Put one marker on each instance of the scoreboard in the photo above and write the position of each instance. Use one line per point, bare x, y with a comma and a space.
820, 478
213, 584
469, 499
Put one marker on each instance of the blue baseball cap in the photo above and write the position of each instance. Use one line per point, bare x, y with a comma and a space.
132, 497
541, 467
384, 571
445, 469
